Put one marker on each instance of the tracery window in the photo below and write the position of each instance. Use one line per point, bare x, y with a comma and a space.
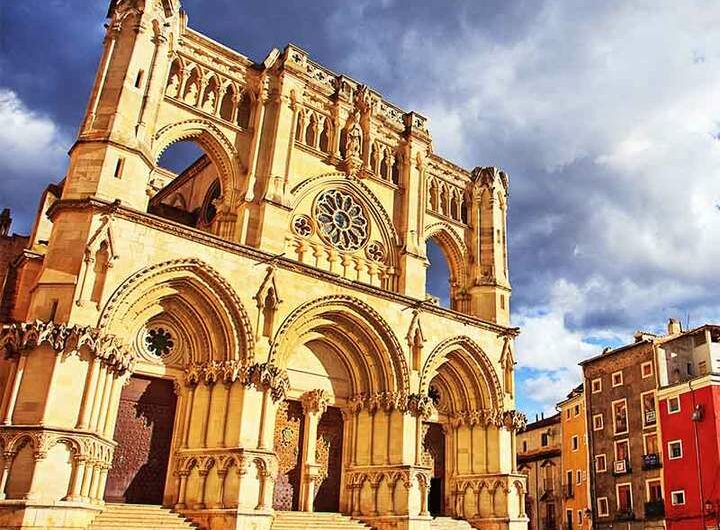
341, 220
159, 341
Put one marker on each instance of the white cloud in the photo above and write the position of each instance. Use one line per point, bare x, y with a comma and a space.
29, 142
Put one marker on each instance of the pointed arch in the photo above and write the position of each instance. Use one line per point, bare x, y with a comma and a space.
359, 336
465, 371
190, 297
219, 148
453, 247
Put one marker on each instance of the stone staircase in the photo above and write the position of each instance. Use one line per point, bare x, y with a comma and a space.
315, 521
448, 523
140, 517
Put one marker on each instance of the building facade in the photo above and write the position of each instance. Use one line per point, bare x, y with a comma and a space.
625, 457
689, 407
252, 336
539, 458
575, 461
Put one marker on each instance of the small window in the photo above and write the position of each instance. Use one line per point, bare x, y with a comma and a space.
677, 497
622, 450
675, 449
646, 369
567, 413
576, 411
580, 517
524, 446
624, 498
617, 379
575, 443
600, 463
620, 416
598, 423
596, 386
654, 490
673, 405
647, 401
119, 166
651, 444
603, 507
544, 439
702, 368
578, 476
139, 78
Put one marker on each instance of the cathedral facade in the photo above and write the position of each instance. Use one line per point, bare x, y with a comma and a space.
252, 335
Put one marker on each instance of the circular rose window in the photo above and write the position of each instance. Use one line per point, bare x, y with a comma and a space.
159, 341
341, 220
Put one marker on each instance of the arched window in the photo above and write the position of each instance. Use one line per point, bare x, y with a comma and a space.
343, 143
228, 103
172, 88
464, 209
443, 200
455, 206
397, 162
311, 131
209, 100
433, 196
325, 136
299, 127
244, 111
384, 167
437, 280
192, 88
375, 158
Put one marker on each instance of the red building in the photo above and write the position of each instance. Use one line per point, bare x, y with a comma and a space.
689, 407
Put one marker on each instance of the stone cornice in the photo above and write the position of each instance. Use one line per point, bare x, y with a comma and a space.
193, 234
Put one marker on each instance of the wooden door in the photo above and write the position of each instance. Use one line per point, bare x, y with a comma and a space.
144, 435
289, 428
329, 456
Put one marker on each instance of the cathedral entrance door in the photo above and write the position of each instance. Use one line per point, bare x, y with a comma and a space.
144, 435
329, 457
434, 457
289, 428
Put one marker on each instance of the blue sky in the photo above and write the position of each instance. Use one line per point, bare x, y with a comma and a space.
605, 114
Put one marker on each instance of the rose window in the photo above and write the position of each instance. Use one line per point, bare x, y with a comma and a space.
341, 220
159, 341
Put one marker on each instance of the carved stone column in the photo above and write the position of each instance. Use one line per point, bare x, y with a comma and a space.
314, 405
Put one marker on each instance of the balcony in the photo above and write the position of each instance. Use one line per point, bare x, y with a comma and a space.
651, 461
650, 417
655, 509
620, 467
568, 491
625, 514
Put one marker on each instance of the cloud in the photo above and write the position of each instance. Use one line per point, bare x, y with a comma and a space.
32, 154
606, 116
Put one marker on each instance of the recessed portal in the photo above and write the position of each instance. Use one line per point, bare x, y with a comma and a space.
144, 435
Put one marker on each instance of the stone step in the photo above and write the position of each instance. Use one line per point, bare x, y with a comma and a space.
315, 521
448, 523
139, 517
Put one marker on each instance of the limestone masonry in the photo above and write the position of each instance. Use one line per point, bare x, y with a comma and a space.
252, 336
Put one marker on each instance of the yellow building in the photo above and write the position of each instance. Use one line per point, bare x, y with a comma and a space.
576, 512
249, 341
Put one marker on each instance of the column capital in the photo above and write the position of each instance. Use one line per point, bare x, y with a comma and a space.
315, 402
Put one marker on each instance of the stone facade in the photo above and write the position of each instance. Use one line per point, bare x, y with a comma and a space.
626, 464
254, 334
540, 460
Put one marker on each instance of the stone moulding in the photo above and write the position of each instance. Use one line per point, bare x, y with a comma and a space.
18, 339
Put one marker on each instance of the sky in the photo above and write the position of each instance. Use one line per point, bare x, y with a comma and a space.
606, 116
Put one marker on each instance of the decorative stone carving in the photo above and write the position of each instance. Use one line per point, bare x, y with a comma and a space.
420, 406
267, 376
341, 219
315, 401
22, 337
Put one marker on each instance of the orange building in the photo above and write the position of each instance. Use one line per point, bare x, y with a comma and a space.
575, 486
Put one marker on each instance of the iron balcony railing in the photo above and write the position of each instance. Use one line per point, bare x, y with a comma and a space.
625, 514
655, 508
650, 417
651, 461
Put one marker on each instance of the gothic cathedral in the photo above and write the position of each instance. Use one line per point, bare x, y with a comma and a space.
251, 338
